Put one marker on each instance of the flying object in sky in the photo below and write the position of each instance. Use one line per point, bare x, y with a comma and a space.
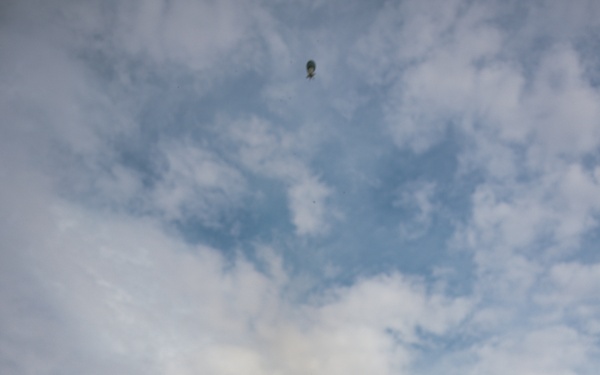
310, 69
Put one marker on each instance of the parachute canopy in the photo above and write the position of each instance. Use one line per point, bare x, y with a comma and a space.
310, 69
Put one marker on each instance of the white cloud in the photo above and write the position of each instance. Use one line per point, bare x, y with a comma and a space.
525, 131
575, 281
307, 202
50, 95
463, 77
112, 286
562, 109
524, 126
196, 183
196, 34
552, 350
548, 350
369, 326
444, 84
273, 152
401, 34
557, 209
568, 292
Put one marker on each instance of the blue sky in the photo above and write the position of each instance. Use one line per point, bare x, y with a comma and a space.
177, 198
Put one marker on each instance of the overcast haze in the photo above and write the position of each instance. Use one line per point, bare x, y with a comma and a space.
177, 198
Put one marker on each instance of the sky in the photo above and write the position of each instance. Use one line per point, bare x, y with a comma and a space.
177, 198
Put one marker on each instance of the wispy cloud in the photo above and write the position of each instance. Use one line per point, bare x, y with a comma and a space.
279, 154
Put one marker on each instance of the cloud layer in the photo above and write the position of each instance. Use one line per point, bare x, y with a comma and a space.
176, 199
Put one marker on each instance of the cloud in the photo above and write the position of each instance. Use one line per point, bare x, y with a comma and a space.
400, 34
371, 326
117, 287
525, 123
562, 108
107, 288
120, 119
279, 154
558, 211
463, 78
555, 350
567, 294
197, 35
196, 183
523, 127
307, 202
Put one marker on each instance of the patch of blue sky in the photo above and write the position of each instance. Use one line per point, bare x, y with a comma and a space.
369, 239
263, 217
587, 252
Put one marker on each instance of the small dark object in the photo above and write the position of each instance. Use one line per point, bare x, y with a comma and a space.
310, 69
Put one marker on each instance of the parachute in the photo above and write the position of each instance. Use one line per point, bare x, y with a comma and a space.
310, 69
